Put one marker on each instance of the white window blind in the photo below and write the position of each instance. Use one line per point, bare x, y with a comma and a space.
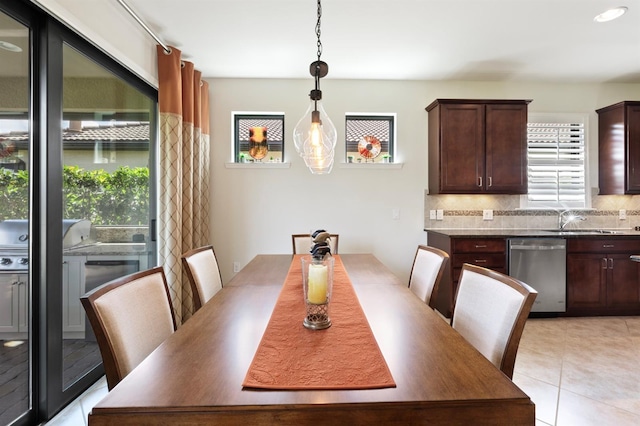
556, 164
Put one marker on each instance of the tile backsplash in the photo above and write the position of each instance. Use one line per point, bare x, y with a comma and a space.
466, 212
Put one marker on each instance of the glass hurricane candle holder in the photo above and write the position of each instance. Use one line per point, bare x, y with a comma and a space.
317, 283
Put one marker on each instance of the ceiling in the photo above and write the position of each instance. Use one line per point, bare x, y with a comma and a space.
479, 40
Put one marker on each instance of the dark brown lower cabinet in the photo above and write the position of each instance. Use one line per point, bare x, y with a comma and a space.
487, 252
601, 278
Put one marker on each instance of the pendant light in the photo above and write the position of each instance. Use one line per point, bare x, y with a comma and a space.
315, 135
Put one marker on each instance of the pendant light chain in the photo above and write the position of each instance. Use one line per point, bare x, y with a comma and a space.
319, 44
318, 30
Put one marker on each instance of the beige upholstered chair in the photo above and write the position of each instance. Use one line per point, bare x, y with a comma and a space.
130, 316
302, 243
490, 311
427, 270
202, 269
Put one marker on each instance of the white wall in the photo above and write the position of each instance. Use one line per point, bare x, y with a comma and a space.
256, 211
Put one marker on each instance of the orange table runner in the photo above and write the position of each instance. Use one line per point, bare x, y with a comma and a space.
344, 356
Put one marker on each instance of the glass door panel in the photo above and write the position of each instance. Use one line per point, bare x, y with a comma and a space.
15, 300
106, 158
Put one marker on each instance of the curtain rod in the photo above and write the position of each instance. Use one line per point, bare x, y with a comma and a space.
166, 48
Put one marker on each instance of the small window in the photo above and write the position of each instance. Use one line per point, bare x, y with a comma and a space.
556, 161
370, 138
258, 137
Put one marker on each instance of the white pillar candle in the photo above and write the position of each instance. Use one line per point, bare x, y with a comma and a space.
317, 291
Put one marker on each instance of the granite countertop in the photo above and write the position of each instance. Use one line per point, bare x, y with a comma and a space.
107, 249
534, 233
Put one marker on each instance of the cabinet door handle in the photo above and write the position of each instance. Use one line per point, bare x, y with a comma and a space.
490, 181
480, 261
610, 263
608, 245
480, 246
480, 181
605, 264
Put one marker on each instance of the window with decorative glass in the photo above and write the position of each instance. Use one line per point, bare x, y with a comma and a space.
370, 138
258, 137
556, 161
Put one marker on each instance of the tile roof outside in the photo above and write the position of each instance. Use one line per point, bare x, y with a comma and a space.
119, 133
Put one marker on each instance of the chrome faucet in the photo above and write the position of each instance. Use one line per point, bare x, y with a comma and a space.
564, 220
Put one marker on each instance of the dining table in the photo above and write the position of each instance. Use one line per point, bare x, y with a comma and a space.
196, 375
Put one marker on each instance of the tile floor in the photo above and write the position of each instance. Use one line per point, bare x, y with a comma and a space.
581, 371
578, 372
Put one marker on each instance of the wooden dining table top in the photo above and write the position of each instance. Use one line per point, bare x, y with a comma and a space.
195, 376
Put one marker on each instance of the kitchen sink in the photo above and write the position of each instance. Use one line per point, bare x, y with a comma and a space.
581, 231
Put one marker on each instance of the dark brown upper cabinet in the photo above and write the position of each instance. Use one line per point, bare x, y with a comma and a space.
619, 148
477, 146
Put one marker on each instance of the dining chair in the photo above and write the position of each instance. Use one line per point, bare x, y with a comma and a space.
130, 317
490, 312
426, 273
302, 243
203, 271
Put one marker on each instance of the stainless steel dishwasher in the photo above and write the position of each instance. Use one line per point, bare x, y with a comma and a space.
541, 263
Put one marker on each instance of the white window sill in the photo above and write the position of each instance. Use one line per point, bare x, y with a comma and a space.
257, 165
387, 166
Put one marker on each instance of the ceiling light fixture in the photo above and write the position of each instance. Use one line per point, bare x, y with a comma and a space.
315, 135
611, 14
10, 46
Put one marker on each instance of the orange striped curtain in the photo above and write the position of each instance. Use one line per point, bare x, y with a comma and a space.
183, 218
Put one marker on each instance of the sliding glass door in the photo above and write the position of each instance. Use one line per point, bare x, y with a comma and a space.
99, 138
106, 126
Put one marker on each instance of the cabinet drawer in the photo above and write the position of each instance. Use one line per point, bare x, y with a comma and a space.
486, 260
487, 245
600, 245
458, 271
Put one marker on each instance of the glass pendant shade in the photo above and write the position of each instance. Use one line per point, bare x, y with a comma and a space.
315, 139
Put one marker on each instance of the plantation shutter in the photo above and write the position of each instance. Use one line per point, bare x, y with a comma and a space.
556, 165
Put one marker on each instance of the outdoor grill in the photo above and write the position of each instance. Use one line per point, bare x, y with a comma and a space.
14, 240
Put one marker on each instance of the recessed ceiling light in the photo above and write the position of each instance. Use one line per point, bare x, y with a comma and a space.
9, 46
611, 14
13, 343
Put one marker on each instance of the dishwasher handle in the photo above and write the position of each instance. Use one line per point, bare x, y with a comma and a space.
537, 247
111, 262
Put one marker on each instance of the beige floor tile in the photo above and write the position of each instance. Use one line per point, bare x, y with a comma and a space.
577, 410
546, 325
596, 360
535, 363
544, 395
615, 355
621, 390
633, 323
597, 327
